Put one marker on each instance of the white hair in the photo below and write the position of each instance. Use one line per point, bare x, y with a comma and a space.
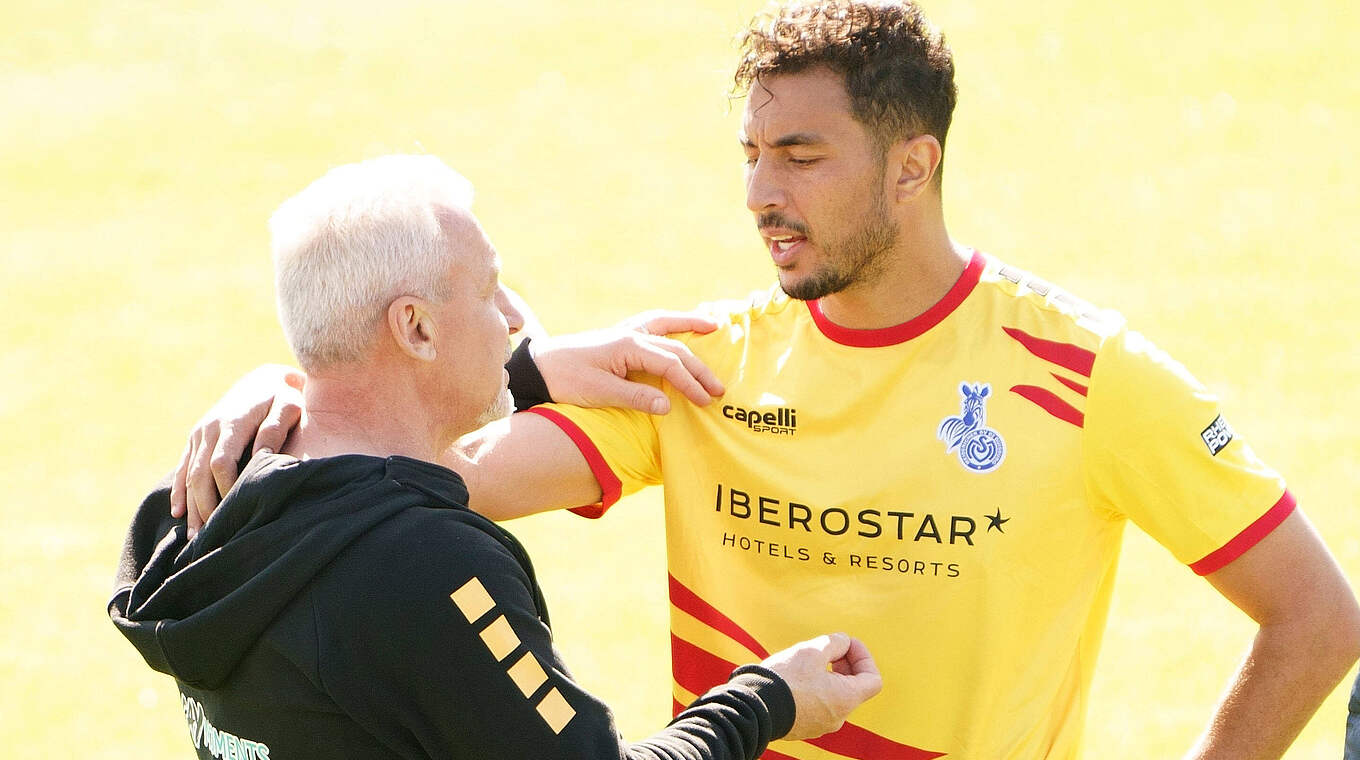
354, 240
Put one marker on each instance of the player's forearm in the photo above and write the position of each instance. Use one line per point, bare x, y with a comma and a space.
1289, 670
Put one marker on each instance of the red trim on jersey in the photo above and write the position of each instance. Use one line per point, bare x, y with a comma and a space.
691, 604
1075, 358
889, 336
1249, 537
1048, 401
697, 670
863, 744
610, 486
1073, 384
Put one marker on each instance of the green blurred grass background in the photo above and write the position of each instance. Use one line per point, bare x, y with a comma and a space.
1194, 166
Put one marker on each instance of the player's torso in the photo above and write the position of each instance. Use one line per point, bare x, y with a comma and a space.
926, 496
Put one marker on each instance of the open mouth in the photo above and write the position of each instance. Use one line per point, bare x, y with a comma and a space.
783, 248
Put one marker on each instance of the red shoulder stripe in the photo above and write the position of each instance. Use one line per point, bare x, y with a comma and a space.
1049, 402
1073, 384
1075, 358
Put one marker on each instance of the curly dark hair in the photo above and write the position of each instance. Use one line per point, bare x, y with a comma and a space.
897, 69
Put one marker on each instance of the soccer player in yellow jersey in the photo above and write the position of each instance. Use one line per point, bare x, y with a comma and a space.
926, 447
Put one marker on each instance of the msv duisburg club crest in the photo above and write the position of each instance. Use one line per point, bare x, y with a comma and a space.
980, 448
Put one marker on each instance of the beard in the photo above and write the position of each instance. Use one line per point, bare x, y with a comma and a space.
854, 259
496, 410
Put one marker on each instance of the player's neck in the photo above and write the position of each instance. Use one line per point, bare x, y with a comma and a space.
914, 277
352, 416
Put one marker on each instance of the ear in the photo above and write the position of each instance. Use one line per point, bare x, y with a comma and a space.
965, 389
915, 161
412, 327
986, 391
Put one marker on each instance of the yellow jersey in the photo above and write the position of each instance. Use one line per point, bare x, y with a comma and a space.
951, 490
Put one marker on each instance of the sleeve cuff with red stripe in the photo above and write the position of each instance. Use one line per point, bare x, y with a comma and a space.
611, 488
1249, 537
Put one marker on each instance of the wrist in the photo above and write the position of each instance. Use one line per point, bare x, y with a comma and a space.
774, 691
527, 386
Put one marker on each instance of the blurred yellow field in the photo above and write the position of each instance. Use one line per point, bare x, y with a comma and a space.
1194, 166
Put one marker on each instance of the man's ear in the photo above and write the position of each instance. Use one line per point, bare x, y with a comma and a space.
916, 161
412, 326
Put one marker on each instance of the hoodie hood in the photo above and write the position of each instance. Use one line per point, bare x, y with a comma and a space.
193, 609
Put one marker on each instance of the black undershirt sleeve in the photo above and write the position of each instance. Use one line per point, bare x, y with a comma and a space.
442, 653
526, 383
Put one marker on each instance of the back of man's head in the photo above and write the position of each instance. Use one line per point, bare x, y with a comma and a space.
354, 240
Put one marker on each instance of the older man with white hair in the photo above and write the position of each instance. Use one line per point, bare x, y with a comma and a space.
343, 601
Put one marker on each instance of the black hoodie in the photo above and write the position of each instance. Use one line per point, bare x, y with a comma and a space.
354, 607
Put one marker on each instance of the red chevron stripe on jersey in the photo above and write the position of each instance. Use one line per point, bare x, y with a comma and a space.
1049, 402
689, 602
697, 670
1075, 358
1073, 384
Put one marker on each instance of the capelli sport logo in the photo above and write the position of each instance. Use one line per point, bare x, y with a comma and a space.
781, 420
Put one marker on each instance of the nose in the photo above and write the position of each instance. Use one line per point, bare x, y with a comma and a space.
763, 191
514, 319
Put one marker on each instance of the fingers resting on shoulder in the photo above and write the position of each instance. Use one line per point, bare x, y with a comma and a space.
263, 406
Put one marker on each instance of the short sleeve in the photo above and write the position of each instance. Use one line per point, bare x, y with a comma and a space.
1159, 451
621, 446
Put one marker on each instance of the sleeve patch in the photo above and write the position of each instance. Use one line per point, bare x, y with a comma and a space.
1217, 436
527, 674
500, 638
472, 600
555, 711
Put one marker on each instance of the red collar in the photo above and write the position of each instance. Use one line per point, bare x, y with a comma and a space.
889, 336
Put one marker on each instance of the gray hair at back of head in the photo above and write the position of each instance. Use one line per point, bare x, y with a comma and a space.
354, 240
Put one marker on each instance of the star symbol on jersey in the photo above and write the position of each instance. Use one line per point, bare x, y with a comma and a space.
996, 521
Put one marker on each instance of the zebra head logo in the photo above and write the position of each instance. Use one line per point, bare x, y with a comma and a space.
980, 448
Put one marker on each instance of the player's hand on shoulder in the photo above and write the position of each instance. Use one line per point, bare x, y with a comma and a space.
264, 405
591, 368
829, 676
